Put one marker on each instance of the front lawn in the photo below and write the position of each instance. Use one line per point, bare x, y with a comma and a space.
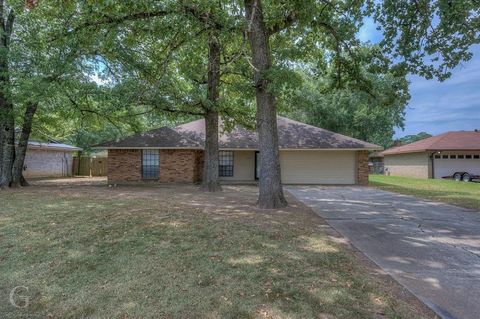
173, 252
448, 191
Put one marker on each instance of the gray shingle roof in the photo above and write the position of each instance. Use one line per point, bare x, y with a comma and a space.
291, 134
52, 146
161, 137
449, 141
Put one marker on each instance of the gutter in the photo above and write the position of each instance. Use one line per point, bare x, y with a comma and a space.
233, 149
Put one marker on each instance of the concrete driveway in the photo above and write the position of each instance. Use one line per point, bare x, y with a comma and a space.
432, 249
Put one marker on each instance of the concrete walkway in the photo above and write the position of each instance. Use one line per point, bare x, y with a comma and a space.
432, 249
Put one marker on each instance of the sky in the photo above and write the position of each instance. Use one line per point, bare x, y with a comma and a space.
436, 107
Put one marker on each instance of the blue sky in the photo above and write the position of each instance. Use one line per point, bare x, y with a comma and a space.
436, 107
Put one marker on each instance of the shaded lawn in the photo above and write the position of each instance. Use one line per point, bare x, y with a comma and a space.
448, 191
173, 252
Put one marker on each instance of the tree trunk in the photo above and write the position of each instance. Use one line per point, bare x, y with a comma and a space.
270, 185
210, 181
22, 145
7, 123
1, 146
8, 144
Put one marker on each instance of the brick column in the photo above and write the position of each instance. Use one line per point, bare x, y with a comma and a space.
362, 168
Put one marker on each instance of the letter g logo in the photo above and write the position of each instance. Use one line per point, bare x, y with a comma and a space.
17, 299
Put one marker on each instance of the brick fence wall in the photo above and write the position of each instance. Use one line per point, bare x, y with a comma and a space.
176, 166
362, 167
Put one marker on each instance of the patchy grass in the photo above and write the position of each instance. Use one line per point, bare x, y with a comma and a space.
173, 252
448, 191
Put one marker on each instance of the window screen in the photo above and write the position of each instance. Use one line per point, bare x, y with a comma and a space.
225, 163
150, 164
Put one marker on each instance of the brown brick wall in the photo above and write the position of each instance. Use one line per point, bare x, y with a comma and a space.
124, 166
176, 166
362, 167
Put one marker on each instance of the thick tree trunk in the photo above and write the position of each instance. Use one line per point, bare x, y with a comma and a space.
270, 185
7, 124
8, 144
210, 181
1, 146
22, 146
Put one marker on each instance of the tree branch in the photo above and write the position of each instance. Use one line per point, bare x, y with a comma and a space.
289, 20
2, 9
117, 20
9, 23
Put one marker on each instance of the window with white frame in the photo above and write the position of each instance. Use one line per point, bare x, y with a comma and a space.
225, 163
150, 164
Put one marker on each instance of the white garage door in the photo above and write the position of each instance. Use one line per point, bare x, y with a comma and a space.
447, 166
318, 167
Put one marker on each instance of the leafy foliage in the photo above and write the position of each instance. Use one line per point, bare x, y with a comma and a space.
428, 37
412, 138
366, 105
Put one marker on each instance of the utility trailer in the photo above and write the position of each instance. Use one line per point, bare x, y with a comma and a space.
463, 176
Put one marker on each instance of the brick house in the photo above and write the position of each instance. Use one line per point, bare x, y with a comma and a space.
308, 155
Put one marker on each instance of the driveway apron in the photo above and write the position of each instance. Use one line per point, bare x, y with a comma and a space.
432, 249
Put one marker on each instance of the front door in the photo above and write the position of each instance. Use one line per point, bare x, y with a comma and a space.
257, 164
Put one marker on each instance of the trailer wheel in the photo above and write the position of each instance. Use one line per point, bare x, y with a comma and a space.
466, 177
457, 177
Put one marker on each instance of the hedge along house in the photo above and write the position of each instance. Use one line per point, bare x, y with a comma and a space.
435, 157
48, 159
308, 155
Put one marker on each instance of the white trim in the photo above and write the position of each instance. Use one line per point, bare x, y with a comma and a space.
433, 151
330, 149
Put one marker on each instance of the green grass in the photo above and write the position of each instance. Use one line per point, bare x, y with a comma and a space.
448, 191
165, 252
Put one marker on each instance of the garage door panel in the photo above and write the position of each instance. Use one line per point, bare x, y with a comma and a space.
446, 167
318, 167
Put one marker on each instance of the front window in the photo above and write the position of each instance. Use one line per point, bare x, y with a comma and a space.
150, 159
225, 163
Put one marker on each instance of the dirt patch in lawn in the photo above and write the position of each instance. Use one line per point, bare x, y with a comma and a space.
162, 251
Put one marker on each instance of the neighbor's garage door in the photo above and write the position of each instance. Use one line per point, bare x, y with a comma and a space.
456, 163
318, 167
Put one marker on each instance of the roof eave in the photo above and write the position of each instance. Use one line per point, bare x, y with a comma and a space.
146, 147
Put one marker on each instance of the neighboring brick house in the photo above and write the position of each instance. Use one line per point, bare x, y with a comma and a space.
308, 155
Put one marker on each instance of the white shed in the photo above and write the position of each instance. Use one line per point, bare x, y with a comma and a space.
48, 159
